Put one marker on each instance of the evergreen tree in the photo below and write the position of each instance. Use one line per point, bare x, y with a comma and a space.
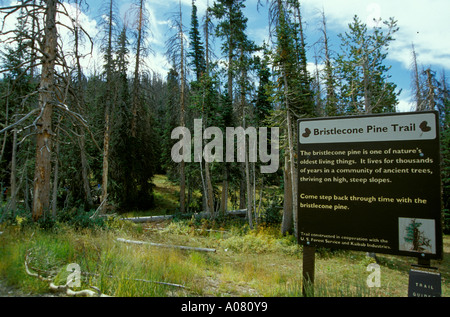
197, 51
365, 86
416, 237
292, 94
16, 89
231, 27
262, 104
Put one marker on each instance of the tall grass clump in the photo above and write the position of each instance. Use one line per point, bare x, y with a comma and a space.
261, 240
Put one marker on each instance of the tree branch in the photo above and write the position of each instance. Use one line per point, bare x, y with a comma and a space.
20, 121
62, 288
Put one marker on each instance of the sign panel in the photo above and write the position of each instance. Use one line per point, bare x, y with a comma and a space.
371, 183
424, 282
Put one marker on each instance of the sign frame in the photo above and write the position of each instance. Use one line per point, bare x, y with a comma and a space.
363, 144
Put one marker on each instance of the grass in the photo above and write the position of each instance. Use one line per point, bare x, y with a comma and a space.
247, 262
166, 199
251, 263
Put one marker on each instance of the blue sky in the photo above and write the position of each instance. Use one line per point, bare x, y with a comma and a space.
422, 22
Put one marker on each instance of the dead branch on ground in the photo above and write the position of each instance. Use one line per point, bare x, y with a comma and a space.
62, 288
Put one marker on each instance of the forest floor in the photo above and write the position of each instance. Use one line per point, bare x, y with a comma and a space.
13, 291
246, 262
9, 291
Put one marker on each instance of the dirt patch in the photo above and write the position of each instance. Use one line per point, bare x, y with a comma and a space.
11, 291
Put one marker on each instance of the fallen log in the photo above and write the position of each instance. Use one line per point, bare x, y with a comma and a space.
148, 218
166, 245
239, 212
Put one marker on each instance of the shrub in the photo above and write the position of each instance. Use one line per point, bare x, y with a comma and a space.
80, 219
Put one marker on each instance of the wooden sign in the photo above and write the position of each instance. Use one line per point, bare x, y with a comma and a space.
371, 183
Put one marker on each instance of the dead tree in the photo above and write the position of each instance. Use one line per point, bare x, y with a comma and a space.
46, 53
45, 134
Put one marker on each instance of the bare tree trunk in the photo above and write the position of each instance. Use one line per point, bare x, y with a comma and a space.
224, 196
224, 204
242, 186
249, 189
431, 104
182, 106
6, 124
108, 106
209, 189
13, 178
55, 178
287, 221
81, 140
367, 97
84, 172
105, 166
330, 106
42, 173
207, 171
136, 89
417, 85
291, 163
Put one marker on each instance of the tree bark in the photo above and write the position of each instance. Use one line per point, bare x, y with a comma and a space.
431, 104
41, 197
108, 106
13, 200
105, 165
182, 106
287, 221
55, 178
291, 164
81, 140
136, 89
416, 84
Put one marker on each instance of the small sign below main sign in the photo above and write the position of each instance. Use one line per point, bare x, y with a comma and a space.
424, 282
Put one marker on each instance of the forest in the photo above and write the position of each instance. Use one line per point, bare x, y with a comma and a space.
74, 140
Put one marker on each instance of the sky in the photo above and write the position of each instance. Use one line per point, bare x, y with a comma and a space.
424, 23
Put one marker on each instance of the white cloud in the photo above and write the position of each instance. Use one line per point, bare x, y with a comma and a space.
86, 48
423, 23
158, 63
405, 106
66, 39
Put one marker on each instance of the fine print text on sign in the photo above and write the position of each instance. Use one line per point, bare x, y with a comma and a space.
371, 183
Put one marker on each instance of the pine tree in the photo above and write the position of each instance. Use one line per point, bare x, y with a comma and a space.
197, 51
262, 104
16, 89
292, 93
416, 237
444, 102
365, 86
236, 46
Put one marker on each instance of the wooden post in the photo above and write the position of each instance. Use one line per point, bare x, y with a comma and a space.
423, 261
309, 259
